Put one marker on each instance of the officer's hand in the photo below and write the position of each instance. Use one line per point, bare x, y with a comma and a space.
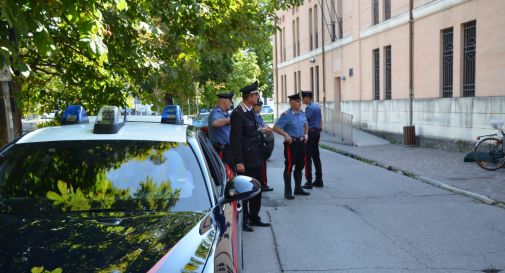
240, 168
306, 137
288, 139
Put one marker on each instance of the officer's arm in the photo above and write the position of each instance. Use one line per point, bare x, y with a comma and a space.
220, 122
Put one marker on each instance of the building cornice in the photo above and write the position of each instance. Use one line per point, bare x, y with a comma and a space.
381, 27
435, 7
314, 53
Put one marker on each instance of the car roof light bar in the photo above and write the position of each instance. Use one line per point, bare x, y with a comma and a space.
108, 120
172, 114
74, 114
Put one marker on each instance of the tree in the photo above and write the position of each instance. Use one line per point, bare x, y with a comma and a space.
105, 51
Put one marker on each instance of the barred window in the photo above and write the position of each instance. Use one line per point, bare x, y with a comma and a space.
312, 79
387, 52
387, 9
375, 15
376, 74
317, 83
311, 34
469, 51
447, 61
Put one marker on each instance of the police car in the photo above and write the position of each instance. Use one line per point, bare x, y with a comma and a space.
109, 195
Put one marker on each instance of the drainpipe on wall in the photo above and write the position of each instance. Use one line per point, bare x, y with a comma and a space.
323, 68
276, 71
409, 132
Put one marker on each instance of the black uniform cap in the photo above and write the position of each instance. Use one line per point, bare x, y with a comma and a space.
225, 95
307, 94
250, 88
295, 97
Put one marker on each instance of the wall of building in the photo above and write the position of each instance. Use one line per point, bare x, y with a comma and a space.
448, 118
453, 118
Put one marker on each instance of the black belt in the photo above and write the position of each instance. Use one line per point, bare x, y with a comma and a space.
219, 146
298, 138
313, 129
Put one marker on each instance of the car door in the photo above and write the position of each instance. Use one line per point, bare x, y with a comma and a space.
228, 256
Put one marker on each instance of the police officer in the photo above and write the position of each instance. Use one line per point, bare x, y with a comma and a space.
246, 148
313, 114
292, 125
263, 129
219, 127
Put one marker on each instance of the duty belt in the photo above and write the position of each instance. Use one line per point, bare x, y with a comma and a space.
219, 147
298, 138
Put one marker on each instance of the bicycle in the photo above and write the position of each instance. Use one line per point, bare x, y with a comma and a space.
489, 151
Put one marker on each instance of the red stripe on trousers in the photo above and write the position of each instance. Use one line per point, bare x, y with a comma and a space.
288, 147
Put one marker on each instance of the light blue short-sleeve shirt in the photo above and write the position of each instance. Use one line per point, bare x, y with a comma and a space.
313, 114
221, 134
293, 123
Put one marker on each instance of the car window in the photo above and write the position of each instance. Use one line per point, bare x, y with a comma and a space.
216, 167
202, 117
102, 175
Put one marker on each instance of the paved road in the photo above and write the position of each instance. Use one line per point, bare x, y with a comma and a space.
368, 219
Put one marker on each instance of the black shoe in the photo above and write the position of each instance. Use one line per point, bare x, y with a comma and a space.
318, 184
247, 228
267, 188
301, 192
260, 224
308, 185
289, 196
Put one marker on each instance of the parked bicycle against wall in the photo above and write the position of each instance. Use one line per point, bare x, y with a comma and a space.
489, 151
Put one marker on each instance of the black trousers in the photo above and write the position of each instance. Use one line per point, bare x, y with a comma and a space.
252, 206
312, 154
294, 155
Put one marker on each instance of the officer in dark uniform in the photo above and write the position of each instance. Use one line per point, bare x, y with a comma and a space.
246, 148
292, 125
219, 127
263, 129
313, 114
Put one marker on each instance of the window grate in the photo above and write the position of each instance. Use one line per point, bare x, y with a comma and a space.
447, 61
312, 79
376, 74
388, 72
317, 83
375, 11
387, 9
469, 51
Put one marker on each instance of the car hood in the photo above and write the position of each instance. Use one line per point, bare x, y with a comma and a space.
92, 242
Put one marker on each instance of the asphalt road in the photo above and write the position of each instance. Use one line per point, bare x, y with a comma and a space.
368, 219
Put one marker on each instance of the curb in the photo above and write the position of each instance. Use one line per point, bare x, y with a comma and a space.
479, 197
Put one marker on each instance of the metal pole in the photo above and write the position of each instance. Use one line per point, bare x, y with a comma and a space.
322, 50
276, 71
411, 61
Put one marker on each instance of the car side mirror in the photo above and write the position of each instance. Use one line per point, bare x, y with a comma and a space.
241, 187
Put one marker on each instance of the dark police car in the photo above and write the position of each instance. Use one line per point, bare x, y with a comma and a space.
114, 196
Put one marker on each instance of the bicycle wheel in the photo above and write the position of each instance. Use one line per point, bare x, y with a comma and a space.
489, 154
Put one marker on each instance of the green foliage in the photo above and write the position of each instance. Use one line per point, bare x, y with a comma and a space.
106, 51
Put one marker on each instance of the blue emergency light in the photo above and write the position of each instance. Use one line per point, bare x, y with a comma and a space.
108, 120
172, 114
74, 114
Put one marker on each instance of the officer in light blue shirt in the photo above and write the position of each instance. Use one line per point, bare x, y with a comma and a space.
219, 121
313, 113
293, 126
219, 128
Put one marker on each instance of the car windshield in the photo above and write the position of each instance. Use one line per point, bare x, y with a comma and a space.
121, 175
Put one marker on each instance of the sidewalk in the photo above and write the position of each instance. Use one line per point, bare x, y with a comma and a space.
437, 167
